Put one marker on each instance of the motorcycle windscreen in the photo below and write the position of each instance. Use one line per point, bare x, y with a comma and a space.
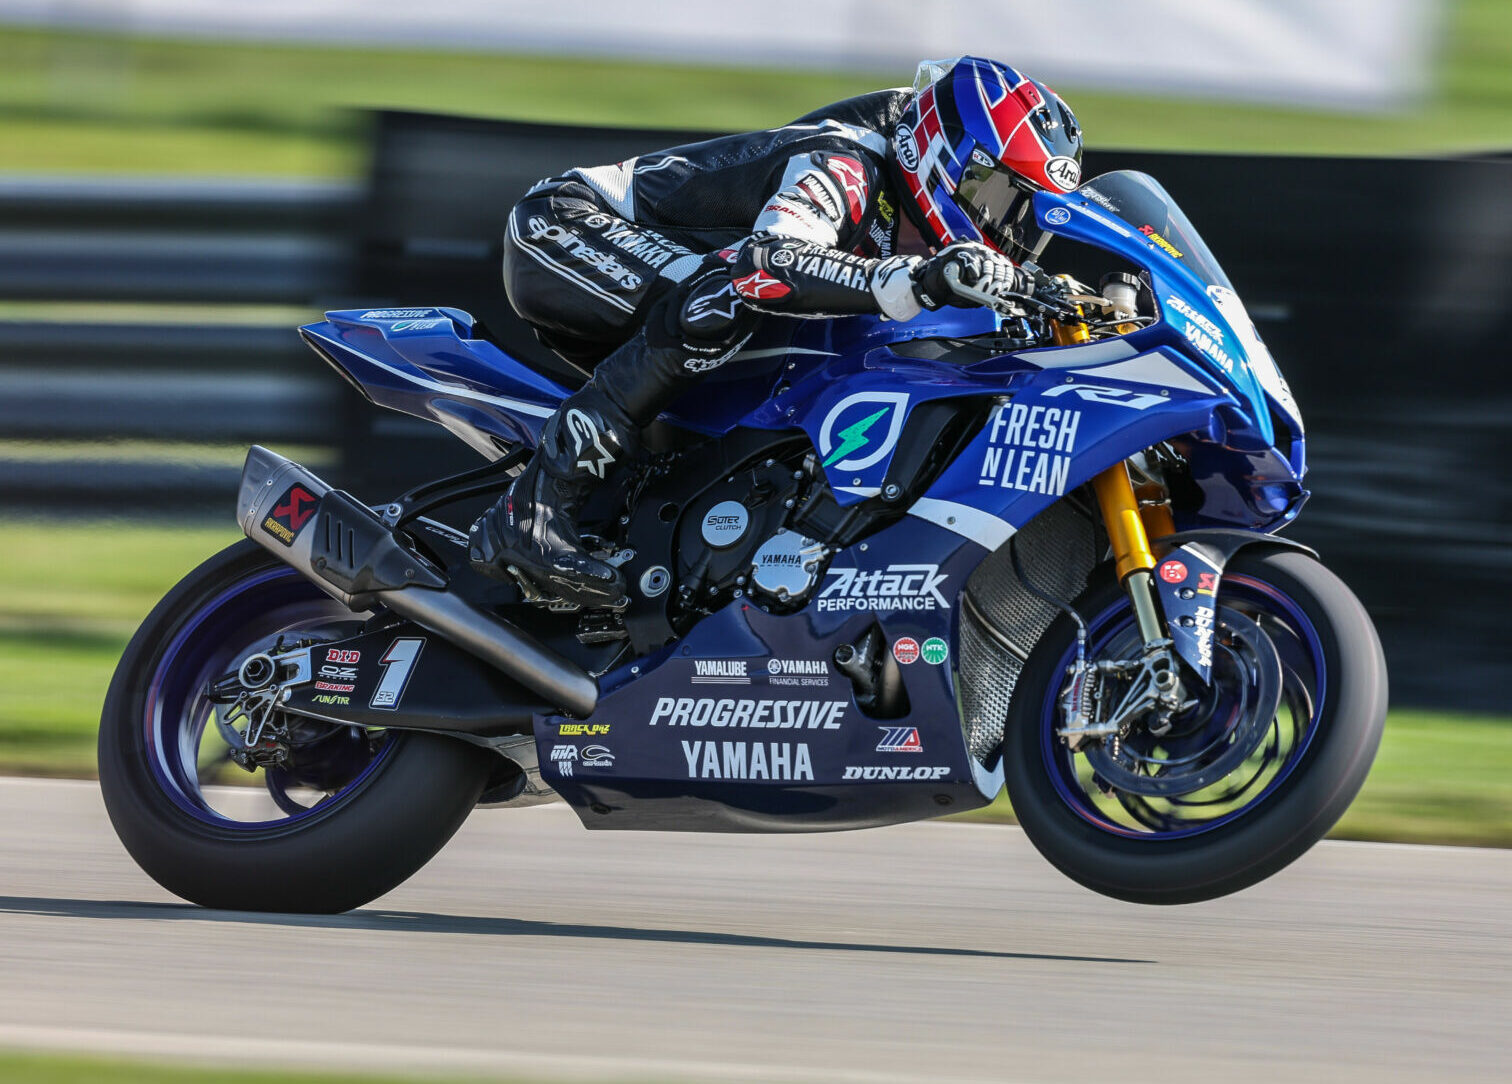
1139, 200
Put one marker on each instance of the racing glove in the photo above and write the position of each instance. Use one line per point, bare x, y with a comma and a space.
978, 268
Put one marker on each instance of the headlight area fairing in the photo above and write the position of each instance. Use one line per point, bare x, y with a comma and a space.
1231, 487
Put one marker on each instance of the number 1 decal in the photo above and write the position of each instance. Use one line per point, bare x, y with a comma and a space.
398, 663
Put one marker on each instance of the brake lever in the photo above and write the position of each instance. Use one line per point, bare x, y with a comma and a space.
1007, 304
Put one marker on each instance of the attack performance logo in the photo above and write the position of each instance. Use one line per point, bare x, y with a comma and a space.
896, 587
862, 429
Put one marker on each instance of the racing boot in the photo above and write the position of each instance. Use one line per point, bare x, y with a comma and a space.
532, 533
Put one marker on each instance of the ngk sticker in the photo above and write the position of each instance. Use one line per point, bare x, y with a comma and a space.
906, 650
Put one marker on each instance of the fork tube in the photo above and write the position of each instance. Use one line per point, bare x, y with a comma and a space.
1071, 333
1131, 547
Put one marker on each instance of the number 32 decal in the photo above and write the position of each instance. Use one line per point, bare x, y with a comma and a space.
398, 664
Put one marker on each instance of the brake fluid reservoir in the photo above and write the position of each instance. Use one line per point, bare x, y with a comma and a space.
1122, 289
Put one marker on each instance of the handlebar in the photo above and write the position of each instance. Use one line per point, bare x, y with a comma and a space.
1006, 304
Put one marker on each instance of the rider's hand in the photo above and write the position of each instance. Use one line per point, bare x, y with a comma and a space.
977, 268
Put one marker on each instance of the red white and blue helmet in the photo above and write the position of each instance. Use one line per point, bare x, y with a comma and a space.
975, 143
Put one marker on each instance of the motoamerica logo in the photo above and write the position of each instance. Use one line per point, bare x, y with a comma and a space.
896, 587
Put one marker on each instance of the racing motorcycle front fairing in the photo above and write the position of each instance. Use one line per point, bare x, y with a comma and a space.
1198, 377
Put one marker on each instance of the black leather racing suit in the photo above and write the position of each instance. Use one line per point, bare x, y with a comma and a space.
658, 262
806, 210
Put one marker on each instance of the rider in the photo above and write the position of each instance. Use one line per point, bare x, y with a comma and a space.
661, 262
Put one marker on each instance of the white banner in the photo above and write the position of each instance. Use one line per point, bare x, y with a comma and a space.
1328, 53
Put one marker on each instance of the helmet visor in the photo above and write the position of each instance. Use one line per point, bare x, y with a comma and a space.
1000, 203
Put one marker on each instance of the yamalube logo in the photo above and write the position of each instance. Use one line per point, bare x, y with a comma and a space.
720, 672
860, 430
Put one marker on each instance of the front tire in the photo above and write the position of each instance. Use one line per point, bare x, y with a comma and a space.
1194, 848
383, 804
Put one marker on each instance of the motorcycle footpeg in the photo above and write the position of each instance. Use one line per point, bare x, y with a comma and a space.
601, 627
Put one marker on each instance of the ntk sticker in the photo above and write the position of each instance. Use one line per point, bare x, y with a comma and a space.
934, 651
291, 512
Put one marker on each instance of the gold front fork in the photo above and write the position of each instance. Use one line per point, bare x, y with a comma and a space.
1125, 524
1072, 332
1131, 547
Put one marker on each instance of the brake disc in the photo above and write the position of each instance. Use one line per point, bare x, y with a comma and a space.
1252, 672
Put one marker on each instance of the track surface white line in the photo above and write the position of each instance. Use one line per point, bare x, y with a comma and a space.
532, 948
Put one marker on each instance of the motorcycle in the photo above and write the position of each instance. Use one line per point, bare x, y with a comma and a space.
880, 571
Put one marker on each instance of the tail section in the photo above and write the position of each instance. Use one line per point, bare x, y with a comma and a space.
426, 362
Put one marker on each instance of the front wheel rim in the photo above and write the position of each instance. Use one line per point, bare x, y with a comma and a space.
1282, 748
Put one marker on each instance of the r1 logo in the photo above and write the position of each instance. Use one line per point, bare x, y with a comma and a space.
398, 664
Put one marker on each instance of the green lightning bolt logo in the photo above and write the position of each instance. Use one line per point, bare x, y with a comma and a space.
853, 438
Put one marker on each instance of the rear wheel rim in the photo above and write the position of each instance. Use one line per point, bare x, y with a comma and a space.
185, 753
1280, 748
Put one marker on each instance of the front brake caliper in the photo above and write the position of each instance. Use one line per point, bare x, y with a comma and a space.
1154, 690
1078, 703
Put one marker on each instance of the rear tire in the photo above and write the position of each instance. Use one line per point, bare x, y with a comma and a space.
360, 843
1239, 849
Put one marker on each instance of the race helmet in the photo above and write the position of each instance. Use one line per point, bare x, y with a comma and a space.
975, 143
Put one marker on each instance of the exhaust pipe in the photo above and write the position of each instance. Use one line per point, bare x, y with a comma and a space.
349, 553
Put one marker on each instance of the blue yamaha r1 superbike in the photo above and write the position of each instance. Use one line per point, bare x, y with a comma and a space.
879, 571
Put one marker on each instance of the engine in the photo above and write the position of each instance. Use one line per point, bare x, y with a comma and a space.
734, 541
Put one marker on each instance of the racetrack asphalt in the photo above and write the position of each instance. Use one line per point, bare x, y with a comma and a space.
532, 948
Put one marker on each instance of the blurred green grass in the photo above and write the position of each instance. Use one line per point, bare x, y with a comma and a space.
72, 593
73, 101
36, 1068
